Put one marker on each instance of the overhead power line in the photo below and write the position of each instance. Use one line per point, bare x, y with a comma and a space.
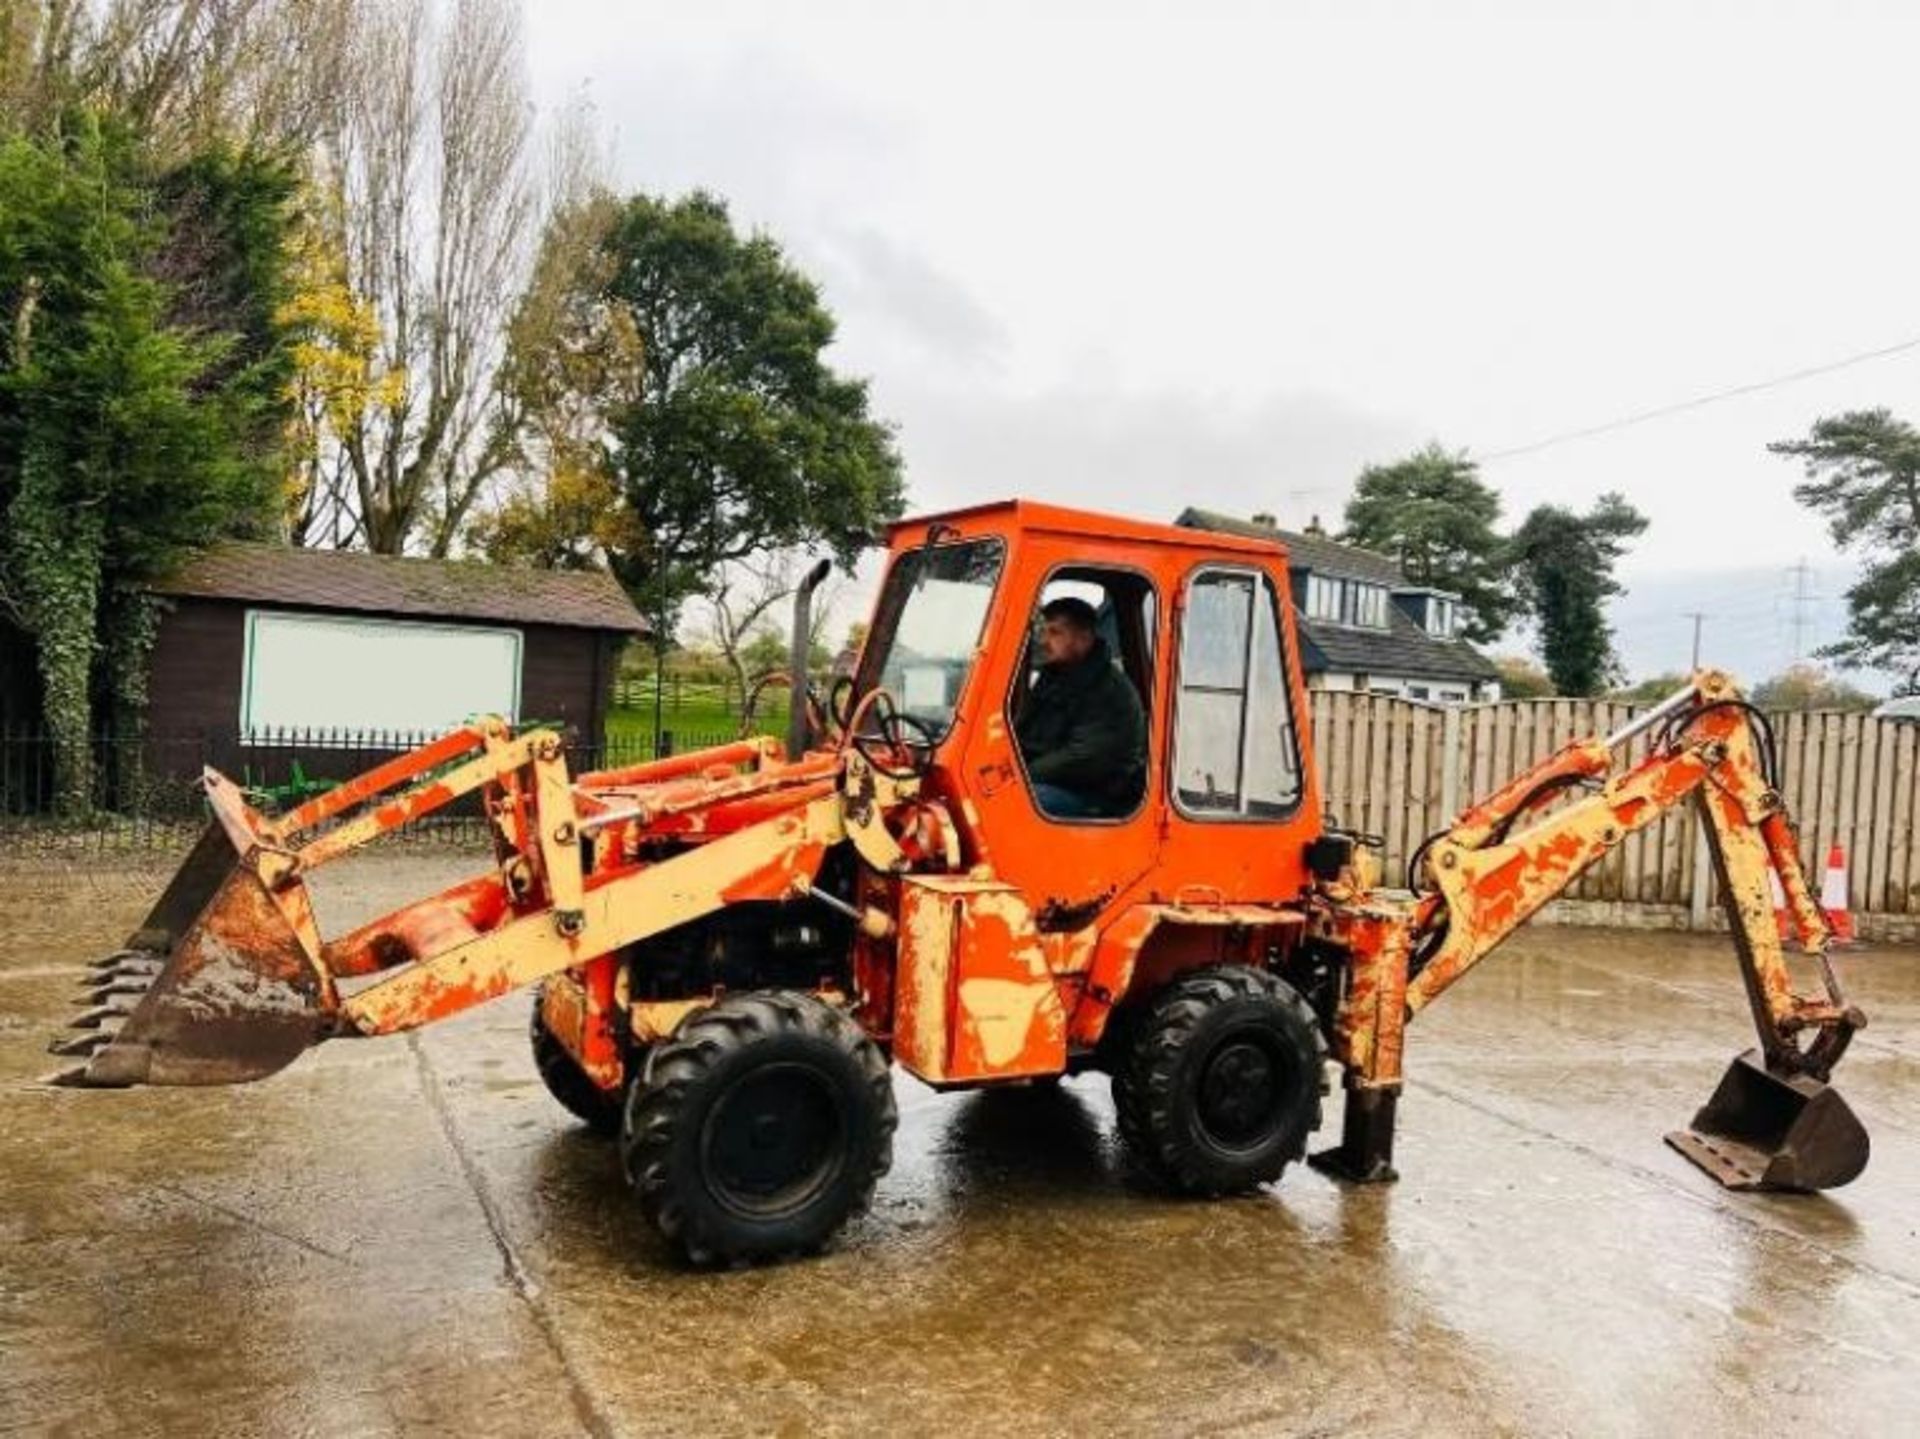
1662, 411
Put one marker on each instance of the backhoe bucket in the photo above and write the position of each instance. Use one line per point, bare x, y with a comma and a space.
1763, 1130
215, 987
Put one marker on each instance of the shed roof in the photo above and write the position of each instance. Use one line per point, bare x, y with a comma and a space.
393, 584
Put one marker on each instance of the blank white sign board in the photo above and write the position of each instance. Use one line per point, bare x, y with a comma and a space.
305, 671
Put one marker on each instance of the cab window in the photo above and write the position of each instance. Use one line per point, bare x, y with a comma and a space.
927, 627
1235, 752
1083, 693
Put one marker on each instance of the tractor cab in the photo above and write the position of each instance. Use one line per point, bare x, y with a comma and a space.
1213, 800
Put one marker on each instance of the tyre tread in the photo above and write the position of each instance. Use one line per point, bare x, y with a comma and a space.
1146, 1083
704, 1041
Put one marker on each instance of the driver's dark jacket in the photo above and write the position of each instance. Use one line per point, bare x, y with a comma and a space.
1084, 729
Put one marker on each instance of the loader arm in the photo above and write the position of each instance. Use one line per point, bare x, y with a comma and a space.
1493, 869
230, 979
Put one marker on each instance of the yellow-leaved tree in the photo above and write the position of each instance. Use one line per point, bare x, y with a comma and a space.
338, 376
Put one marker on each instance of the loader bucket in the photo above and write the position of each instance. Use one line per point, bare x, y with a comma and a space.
1762, 1130
214, 988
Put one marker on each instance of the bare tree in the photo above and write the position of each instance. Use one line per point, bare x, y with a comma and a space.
430, 150
187, 72
745, 600
740, 606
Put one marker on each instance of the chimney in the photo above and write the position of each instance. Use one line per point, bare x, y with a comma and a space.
1266, 521
1313, 527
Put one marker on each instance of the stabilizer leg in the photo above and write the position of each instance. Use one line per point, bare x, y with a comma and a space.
1365, 1152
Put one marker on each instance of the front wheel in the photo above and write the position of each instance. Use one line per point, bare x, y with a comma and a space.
759, 1128
1220, 1084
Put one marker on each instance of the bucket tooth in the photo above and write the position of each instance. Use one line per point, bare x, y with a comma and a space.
125, 956
73, 1078
114, 988
82, 1044
119, 1007
127, 974
1768, 1131
125, 965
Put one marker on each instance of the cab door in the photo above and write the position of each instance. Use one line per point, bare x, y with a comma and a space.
1241, 803
1071, 870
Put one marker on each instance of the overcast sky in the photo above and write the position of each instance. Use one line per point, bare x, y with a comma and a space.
1137, 257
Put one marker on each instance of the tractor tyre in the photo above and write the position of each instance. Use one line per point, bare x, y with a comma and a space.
566, 1081
759, 1128
1221, 1082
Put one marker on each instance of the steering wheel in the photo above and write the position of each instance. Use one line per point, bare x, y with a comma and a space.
894, 724
817, 713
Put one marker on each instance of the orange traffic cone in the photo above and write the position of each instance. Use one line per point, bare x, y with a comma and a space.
1833, 895
1782, 920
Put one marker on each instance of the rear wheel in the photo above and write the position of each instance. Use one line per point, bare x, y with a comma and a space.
1220, 1086
567, 1082
759, 1128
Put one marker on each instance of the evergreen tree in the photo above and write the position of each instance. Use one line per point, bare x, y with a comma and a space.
1863, 474
138, 411
1435, 515
1563, 567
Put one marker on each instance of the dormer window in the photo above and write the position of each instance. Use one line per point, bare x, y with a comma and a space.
1347, 602
1435, 611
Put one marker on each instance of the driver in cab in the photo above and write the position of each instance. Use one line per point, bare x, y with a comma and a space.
1082, 730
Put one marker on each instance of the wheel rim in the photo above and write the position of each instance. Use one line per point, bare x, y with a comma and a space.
1243, 1087
774, 1140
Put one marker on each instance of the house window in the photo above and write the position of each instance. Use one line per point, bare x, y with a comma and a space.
1346, 602
1369, 605
1323, 598
1419, 692
1440, 618
1453, 697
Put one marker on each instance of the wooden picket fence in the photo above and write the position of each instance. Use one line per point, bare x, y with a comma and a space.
1402, 770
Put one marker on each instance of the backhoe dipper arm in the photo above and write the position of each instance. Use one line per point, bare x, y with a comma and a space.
1482, 880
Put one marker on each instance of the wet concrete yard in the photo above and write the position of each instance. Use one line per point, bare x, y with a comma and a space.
408, 1235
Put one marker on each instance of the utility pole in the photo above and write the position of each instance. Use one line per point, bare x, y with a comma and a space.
1699, 618
1803, 598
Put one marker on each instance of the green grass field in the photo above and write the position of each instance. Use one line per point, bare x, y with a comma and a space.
701, 717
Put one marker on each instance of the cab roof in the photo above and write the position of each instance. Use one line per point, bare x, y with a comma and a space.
1036, 517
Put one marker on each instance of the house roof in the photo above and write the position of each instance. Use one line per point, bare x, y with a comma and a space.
391, 584
1316, 553
1403, 649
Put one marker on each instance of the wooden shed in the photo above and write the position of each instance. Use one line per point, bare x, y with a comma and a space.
260, 640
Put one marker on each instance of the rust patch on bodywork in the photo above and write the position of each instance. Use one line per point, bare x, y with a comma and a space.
974, 997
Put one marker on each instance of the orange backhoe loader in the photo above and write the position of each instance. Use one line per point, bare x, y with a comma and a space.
728, 947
